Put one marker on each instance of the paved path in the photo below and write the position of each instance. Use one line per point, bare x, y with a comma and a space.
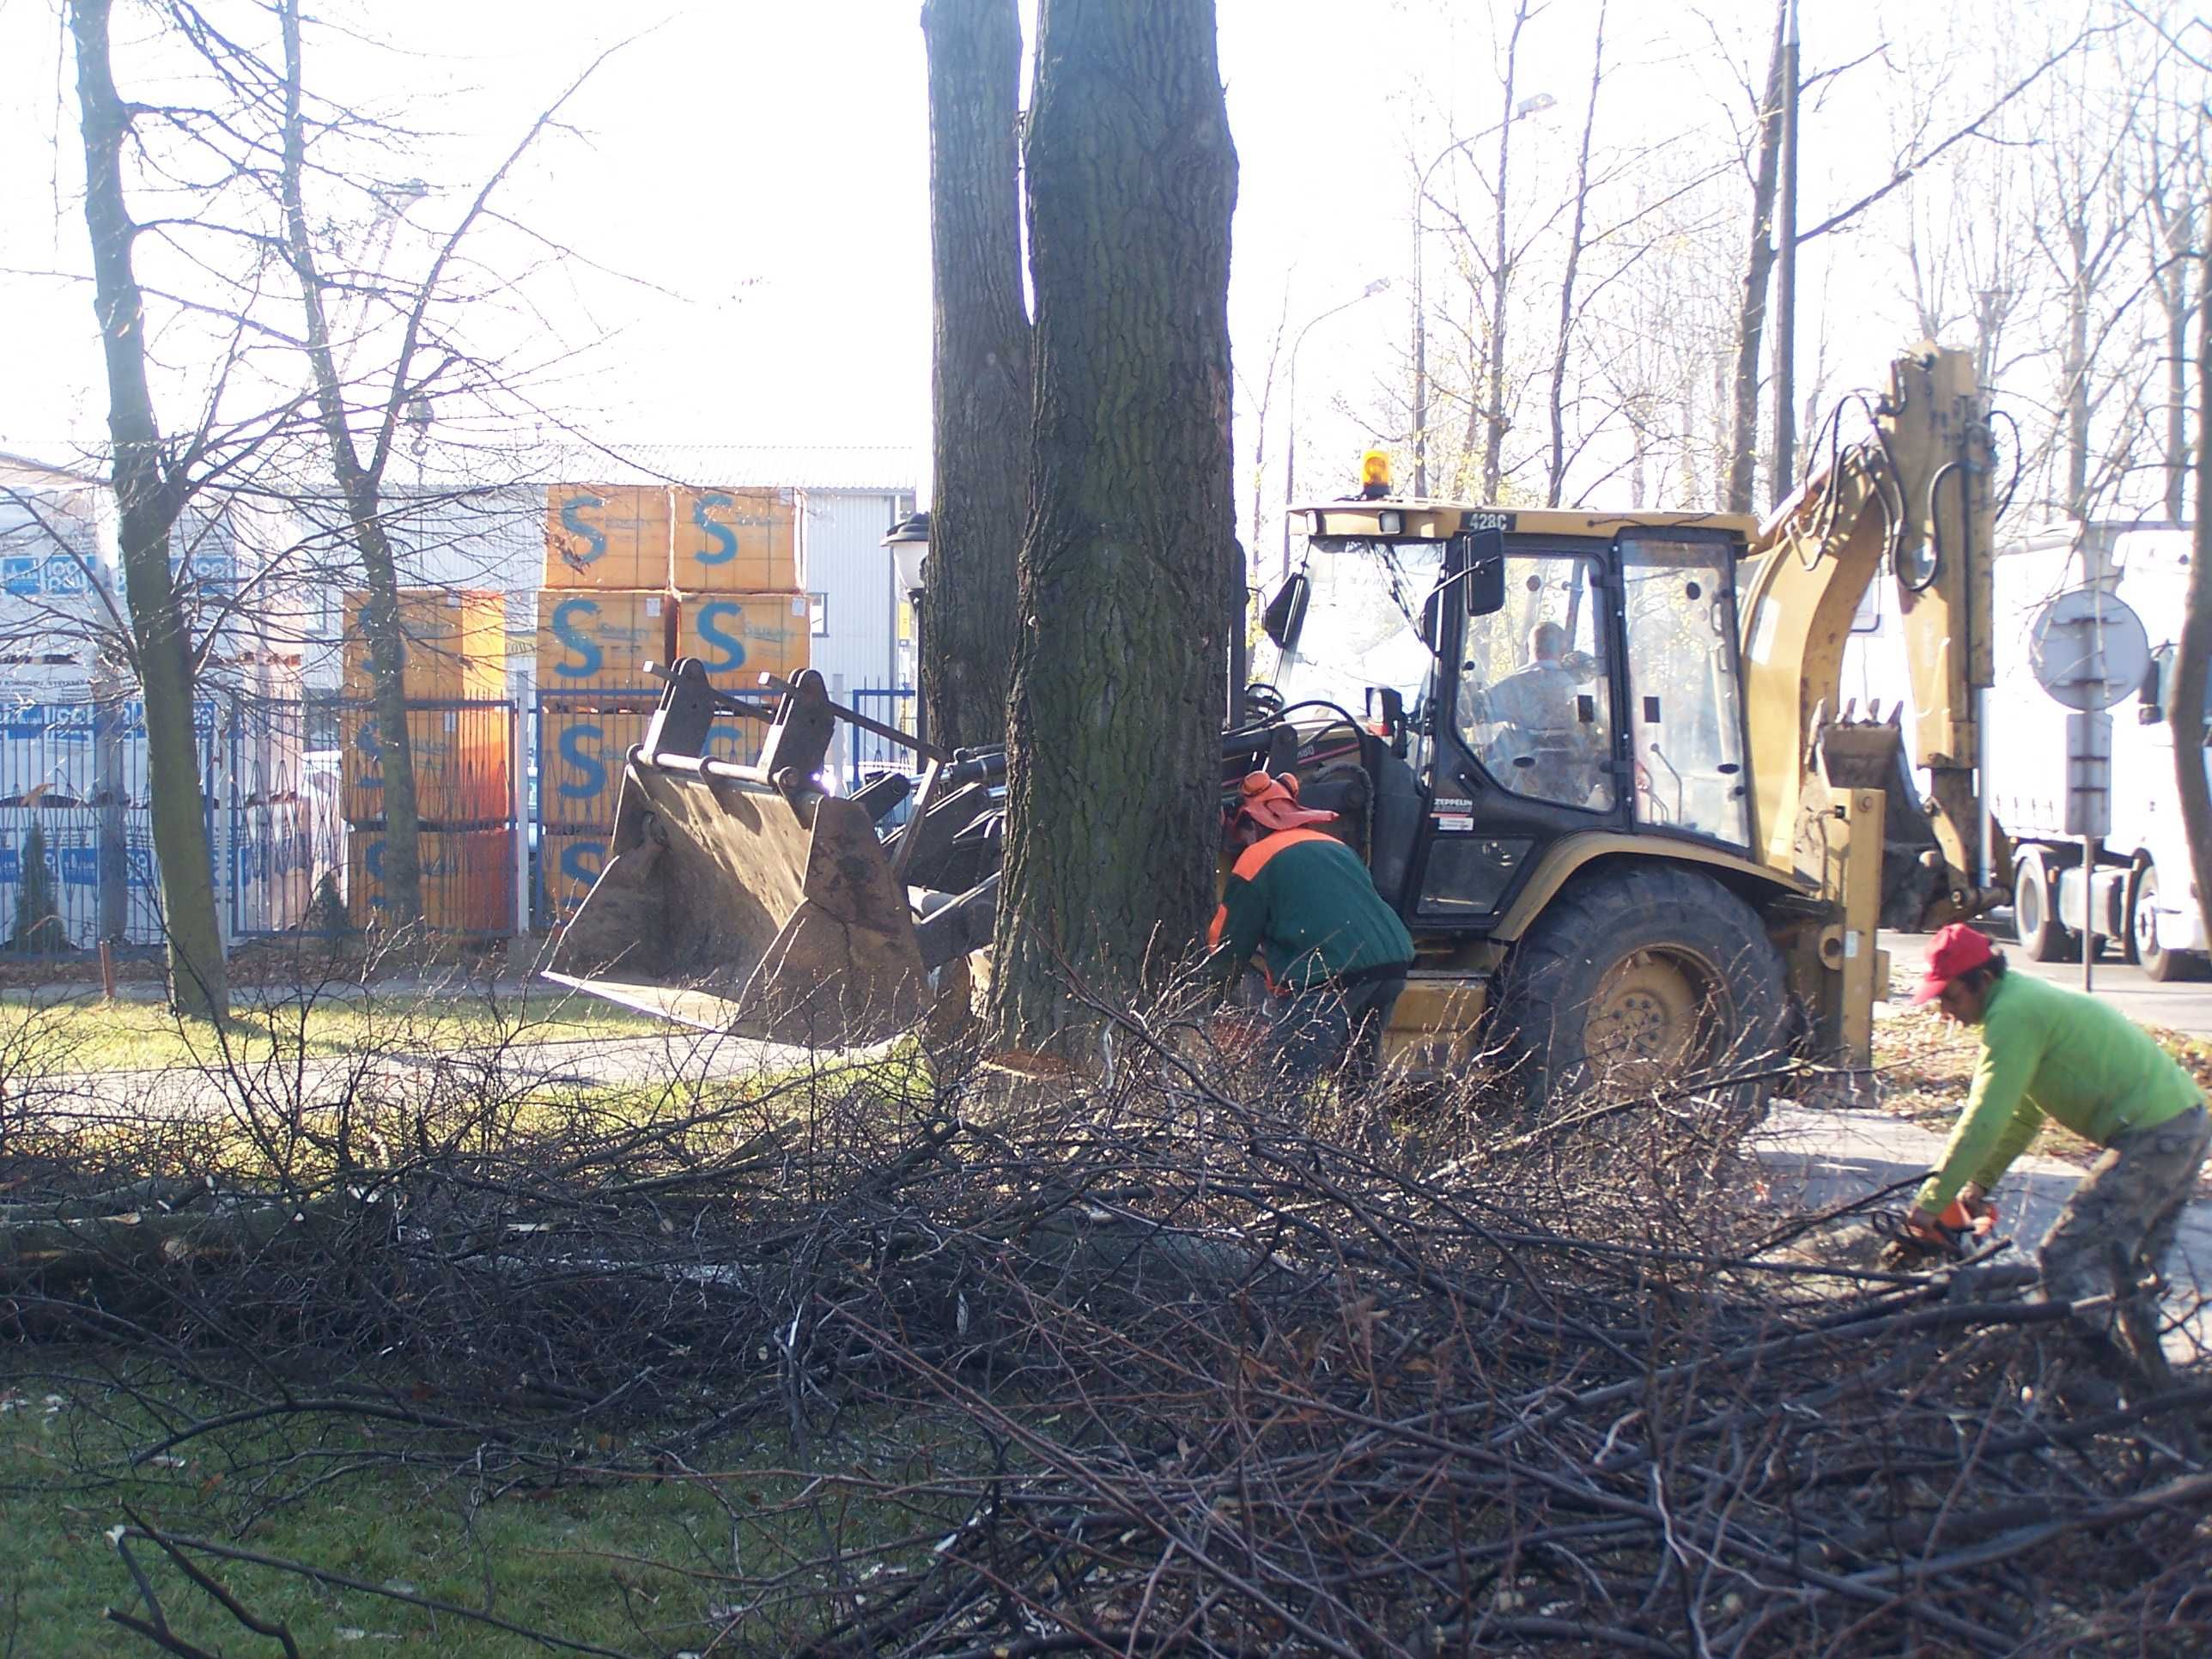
1820, 1159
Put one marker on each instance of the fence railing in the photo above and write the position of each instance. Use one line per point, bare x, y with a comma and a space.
294, 825
868, 753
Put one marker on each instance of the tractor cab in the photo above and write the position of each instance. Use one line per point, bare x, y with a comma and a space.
1473, 687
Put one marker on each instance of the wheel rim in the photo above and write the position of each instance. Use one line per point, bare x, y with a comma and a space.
1654, 1010
2143, 921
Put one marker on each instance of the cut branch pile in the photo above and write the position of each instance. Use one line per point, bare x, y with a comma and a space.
1140, 1366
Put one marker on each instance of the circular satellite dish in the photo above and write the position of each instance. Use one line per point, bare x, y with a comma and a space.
2088, 649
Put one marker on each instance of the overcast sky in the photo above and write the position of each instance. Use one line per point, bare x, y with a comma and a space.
765, 164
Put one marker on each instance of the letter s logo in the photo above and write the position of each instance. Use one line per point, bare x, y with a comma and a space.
724, 538
572, 520
594, 771
567, 621
581, 861
732, 649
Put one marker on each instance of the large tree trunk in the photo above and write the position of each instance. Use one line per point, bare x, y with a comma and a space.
1758, 265
1128, 572
979, 378
401, 876
2193, 650
149, 498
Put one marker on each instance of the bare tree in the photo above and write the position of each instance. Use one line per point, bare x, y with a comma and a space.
1759, 266
152, 485
360, 435
1555, 472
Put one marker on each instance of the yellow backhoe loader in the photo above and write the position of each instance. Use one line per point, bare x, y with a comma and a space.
1595, 760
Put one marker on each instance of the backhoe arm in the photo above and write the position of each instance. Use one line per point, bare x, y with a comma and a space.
1916, 490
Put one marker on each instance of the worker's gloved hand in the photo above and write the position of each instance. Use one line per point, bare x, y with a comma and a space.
1971, 1215
1928, 1232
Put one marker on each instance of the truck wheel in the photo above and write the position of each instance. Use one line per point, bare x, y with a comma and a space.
2035, 911
1640, 978
2164, 966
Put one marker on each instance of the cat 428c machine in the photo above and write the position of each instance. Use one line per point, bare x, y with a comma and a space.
1595, 760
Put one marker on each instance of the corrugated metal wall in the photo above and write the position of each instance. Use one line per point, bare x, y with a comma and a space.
848, 564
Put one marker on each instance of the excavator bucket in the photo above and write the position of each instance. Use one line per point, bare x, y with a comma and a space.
747, 899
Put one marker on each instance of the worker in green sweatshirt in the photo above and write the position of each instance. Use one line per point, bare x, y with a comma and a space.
2054, 1053
1333, 953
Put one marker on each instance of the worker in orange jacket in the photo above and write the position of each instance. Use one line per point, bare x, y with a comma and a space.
1334, 954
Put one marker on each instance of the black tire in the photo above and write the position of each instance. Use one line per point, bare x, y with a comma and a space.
1638, 977
2163, 966
2035, 911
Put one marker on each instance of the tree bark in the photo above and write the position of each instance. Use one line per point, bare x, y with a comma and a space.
2192, 653
149, 496
1758, 265
359, 488
1129, 568
980, 377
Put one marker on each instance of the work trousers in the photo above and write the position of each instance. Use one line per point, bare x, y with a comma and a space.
2118, 1227
1331, 1028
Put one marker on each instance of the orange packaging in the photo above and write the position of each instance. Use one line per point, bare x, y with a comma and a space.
610, 537
601, 641
463, 764
570, 861
455, 642
738, 541
468, 879
740, 636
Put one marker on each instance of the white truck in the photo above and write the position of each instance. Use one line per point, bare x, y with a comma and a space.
2141, 890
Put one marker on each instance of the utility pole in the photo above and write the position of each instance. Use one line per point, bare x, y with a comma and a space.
1785, 272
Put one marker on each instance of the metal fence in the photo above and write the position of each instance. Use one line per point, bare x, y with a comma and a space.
868, 755
291, 792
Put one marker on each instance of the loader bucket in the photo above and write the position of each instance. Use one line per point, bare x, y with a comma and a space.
733, 902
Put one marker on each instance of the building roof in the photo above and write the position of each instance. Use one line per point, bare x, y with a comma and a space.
861, 467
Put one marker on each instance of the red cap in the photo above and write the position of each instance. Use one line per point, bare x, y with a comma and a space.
1272, 803
1957, 950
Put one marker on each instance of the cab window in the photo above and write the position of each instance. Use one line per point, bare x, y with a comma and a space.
1685, 713
1534, 705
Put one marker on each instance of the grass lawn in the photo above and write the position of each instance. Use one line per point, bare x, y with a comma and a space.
639, 1565
40, 1034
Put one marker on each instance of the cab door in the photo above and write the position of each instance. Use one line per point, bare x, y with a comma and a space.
1688, 744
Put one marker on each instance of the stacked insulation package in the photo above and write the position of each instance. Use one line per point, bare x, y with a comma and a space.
645, 574
460, 734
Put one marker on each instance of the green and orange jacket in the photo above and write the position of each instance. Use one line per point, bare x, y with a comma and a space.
1305, 900
2049, 1051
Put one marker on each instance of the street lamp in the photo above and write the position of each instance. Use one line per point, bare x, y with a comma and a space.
1535, 104
909, 541
1290, 449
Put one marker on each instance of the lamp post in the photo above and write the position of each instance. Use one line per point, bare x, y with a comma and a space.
1291, 447
909, 541
1535, 104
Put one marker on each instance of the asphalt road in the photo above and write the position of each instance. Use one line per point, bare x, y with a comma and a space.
2182, 1006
